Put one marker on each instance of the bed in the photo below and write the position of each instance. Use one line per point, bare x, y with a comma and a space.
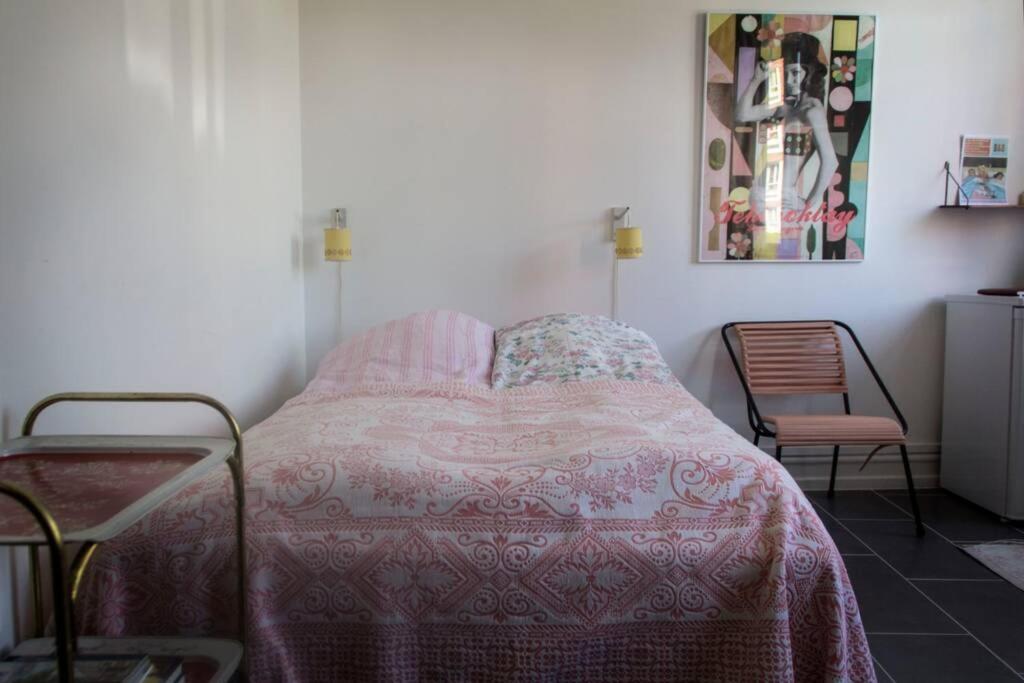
553, 507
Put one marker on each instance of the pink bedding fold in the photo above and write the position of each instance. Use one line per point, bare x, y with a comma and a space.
432, 346
586, 531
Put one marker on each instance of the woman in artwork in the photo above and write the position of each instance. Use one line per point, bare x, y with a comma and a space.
780, 195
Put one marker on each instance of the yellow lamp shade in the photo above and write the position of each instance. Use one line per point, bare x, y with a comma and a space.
337, 244
629, 243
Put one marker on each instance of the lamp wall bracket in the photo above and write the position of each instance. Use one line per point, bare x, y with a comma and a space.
620, 219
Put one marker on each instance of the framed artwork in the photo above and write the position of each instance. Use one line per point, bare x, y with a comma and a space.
787, 122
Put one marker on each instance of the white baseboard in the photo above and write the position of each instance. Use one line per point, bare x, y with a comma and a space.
810, 466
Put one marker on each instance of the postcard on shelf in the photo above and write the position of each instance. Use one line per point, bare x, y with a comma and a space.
983, 164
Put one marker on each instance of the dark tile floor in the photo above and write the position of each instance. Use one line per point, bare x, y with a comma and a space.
931, 612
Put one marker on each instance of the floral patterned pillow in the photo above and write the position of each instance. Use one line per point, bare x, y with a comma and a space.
571, 347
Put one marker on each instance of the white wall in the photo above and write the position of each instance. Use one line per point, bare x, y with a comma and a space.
150, 210
478, 147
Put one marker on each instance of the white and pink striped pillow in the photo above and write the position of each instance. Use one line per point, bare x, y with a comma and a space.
433, 346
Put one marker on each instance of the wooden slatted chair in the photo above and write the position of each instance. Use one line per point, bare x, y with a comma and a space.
806, 357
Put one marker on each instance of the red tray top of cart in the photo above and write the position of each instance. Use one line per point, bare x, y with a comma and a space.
83, 489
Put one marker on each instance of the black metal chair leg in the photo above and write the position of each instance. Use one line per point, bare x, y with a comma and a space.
778, 453
910, 490
832, 477
757, 438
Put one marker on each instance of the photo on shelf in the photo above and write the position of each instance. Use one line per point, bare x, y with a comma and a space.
983, 164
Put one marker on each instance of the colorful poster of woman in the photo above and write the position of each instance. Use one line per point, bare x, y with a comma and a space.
786, 137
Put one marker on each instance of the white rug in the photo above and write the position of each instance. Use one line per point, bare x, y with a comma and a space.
1005, 558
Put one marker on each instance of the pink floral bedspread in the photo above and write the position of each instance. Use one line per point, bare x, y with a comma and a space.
586, 531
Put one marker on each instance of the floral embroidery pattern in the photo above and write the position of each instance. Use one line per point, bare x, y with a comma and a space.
843, 69
617, 485
571, 347
398, 487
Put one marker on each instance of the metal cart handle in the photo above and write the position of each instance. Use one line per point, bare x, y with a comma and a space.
133, 397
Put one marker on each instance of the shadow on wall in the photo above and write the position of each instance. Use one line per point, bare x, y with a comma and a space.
711, 378
270, 403
722, 391
725, 389
706, 355
908, 348
596, 250
311, 247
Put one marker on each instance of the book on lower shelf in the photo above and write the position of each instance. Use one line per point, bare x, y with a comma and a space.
132, 669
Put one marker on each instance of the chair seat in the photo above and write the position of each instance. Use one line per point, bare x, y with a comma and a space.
828, 430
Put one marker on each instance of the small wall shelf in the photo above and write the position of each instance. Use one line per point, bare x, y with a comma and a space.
980, 206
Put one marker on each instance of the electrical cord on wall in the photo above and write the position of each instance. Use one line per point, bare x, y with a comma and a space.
615, 261
615, 287
340, 292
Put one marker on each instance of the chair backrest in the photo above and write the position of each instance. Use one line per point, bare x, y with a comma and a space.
792, 357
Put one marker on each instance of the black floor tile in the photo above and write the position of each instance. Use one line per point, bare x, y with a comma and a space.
889, 604
845, 542
990, 610
927, 557
920, 492
910, 659
958, 519
880, 675
856, 505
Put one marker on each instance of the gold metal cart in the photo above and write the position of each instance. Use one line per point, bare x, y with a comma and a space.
39, 473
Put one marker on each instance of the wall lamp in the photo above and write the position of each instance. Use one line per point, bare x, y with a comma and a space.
338, 238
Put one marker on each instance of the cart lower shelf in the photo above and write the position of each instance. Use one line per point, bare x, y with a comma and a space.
205, 660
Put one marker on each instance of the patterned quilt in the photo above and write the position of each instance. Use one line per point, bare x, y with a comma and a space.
605, 530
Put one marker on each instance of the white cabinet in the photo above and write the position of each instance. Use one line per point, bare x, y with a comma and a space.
983, 402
